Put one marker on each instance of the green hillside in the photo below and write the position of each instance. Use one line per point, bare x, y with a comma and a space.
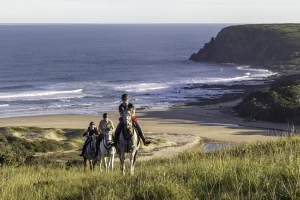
254, 44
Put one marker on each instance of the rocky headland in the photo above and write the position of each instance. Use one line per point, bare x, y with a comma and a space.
273, 46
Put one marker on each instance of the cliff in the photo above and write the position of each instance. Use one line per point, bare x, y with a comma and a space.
260, 44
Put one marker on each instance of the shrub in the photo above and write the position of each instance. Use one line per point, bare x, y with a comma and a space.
16, 151
13, 154
278, 104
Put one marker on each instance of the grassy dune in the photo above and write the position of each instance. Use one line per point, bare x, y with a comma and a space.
268, 170
41, 140
21, 145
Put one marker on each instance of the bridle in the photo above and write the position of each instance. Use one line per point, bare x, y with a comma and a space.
108, 145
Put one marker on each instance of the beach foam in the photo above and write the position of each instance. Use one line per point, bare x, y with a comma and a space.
142, 87
24, 95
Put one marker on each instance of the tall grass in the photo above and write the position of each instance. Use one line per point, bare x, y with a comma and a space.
268, 170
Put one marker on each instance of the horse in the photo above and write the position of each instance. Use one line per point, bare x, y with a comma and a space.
106, 150
89, 154
128, 142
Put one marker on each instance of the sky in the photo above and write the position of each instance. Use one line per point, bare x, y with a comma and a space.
150, 11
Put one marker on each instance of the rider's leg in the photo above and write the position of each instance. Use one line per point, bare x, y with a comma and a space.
117, 133
139, 130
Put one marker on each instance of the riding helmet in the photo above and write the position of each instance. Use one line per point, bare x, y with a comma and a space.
105, 115
125, 96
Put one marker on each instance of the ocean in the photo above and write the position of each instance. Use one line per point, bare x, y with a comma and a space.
84, 69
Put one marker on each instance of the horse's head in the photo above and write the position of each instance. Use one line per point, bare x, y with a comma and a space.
127, 120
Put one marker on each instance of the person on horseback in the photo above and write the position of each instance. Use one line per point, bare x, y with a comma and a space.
92, 130
104, 125
122, 107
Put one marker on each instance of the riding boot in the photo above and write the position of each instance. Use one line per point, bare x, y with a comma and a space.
139, 130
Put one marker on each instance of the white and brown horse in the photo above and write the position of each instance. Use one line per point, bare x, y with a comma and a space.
128, 141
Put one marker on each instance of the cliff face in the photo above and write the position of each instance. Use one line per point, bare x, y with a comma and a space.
253, 44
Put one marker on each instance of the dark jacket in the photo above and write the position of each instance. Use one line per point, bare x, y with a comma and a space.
91, 132
124, 106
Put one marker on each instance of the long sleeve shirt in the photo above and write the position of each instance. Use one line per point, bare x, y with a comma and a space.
106, 125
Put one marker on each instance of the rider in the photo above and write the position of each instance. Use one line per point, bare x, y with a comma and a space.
123, 106
92, 130
104, 125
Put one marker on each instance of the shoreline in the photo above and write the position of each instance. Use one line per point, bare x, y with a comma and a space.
233, 90
209, 121
191, 117
237, 91
182, 128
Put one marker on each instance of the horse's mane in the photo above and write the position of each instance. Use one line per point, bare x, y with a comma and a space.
126, 115
126, 112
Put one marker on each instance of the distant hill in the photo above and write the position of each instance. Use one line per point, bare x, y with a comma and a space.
257, 44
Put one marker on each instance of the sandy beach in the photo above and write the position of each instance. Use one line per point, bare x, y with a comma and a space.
209, 121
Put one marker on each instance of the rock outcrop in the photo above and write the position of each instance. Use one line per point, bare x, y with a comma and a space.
262, 44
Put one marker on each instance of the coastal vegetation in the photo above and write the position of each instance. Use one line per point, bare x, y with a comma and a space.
270, 45
19, 145
267, 170
279, 104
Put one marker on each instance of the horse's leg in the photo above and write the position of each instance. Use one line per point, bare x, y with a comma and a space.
105, 163
108, 163
122, 161
132, 159
84, 163
100, 161
94, 163
90, 163
112, 159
